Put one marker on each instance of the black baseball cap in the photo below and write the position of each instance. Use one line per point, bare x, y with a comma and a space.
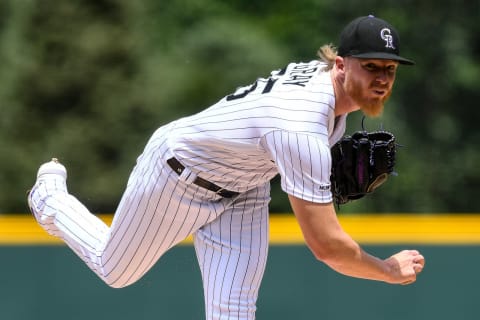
371, 38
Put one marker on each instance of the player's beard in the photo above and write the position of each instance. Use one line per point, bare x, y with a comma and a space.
371, 106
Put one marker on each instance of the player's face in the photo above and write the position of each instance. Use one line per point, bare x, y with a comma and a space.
369, 83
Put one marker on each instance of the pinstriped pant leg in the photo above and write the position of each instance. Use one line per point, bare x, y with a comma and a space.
232, 253
149, 225
63, 216
156, 212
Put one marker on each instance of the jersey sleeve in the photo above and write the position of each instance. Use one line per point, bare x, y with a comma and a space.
304, 164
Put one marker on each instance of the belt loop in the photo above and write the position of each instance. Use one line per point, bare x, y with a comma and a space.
187, 176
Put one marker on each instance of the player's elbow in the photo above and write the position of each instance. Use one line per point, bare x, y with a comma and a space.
330, 249
323, 251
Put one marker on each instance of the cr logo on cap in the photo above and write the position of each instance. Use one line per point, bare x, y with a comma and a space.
386, 35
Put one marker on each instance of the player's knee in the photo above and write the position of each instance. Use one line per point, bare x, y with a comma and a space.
117, 283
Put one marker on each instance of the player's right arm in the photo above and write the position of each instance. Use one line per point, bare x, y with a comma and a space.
331, 244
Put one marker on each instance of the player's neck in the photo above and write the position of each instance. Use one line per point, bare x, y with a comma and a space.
343, 103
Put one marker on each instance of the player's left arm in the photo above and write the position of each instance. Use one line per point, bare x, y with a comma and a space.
331, 244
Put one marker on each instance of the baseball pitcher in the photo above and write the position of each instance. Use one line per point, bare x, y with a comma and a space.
209, 175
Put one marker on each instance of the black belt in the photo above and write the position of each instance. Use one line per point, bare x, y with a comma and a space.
178, 168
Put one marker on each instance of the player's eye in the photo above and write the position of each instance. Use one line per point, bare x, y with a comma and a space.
392, 68
370, 67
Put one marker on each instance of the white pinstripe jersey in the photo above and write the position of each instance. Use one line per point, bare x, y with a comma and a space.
283, 125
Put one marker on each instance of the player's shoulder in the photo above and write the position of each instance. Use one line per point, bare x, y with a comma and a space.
314, 62
299, 65
302, 76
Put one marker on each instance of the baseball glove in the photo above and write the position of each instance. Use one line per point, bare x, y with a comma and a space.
361, 163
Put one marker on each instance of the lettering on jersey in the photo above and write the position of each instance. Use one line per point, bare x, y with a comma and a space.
300, 75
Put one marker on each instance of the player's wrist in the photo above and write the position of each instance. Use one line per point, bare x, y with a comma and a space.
388, 271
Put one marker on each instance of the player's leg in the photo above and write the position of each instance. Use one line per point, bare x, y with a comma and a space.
232, 253
156, 212
49, 199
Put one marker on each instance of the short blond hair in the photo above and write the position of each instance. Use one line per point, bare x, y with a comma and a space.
327, 53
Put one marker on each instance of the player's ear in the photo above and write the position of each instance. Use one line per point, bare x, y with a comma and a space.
340, 68
340, 64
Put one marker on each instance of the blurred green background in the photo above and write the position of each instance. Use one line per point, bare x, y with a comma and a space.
88, 81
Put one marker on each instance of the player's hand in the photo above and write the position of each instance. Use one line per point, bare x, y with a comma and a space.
405, 266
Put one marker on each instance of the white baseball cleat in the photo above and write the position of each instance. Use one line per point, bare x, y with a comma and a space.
51, 177
52, 167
